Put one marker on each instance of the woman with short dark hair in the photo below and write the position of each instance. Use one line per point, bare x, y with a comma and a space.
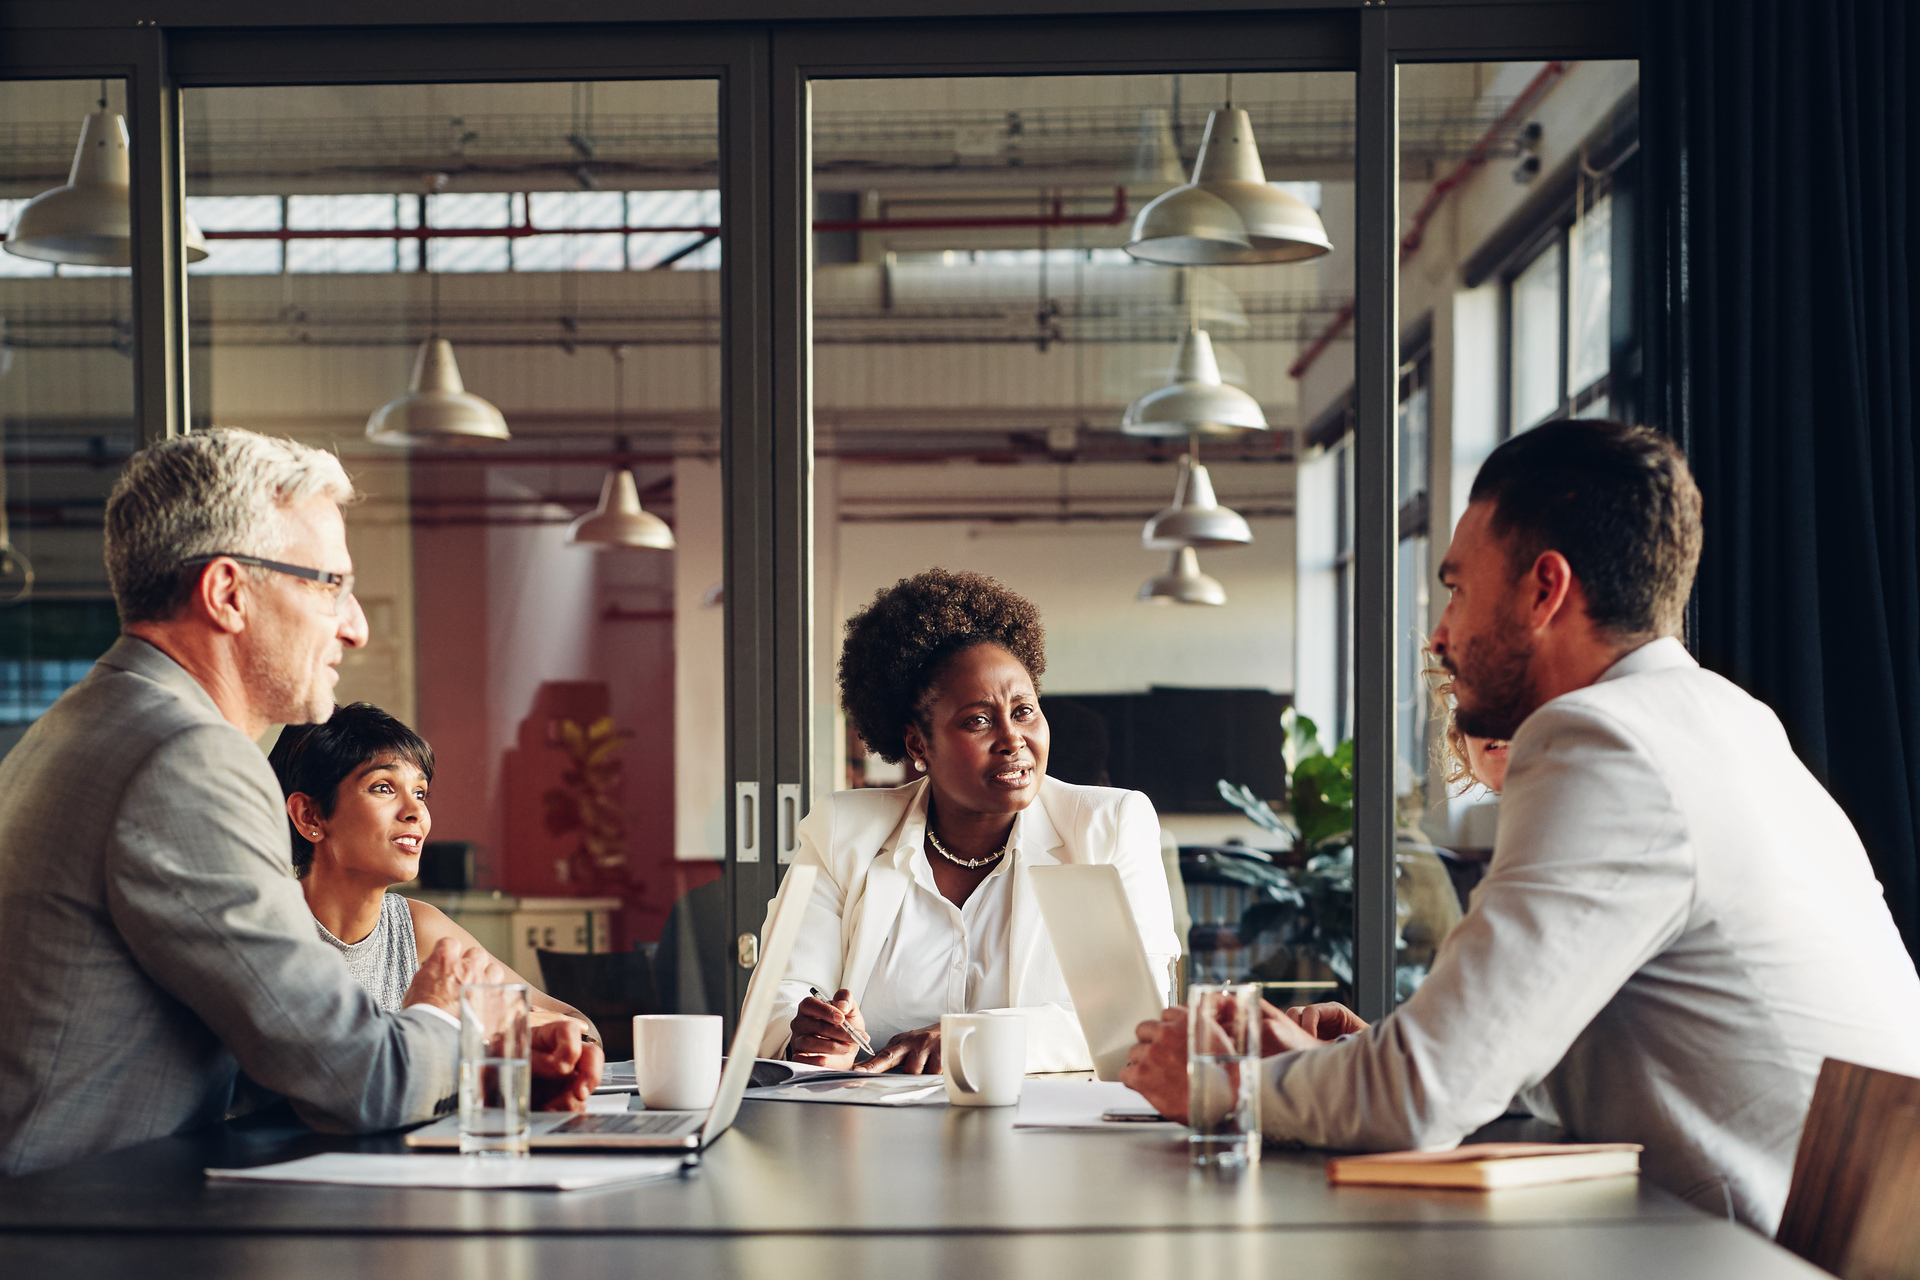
356, 793
923, 905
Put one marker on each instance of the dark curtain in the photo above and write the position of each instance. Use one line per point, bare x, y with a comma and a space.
1779, 274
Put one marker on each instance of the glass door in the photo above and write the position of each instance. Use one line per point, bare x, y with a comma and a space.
1034, 360
501, 305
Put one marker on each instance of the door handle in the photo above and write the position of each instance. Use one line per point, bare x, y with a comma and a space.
746, 822
787, 796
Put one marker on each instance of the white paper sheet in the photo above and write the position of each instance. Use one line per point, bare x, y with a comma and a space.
467, 1173
1076, 1104
866, 1091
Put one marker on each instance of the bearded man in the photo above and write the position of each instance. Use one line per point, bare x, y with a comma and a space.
155, 939
1678, 923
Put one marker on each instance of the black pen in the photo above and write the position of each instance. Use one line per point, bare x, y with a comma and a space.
859, 1036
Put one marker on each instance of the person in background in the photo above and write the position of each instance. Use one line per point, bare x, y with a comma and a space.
156, 943
1463, 759
356, 798
1679, 924
923, 905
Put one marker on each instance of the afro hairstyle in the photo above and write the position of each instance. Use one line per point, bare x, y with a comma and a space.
896, 647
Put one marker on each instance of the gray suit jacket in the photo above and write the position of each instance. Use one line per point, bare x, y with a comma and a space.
1678, 925
152, 936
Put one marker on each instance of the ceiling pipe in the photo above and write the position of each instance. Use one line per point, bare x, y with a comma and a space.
1058, 217
1477, 155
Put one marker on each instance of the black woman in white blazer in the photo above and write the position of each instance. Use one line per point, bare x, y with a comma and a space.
924, 904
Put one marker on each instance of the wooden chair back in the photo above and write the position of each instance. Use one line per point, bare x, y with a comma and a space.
1854, 1206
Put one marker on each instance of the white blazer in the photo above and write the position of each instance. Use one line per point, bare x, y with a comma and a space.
863, 843
1677, 926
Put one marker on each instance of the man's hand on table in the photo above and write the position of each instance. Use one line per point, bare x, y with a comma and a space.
1157, 1066
450, 966
566, 1069
912, 1053
1304, 1026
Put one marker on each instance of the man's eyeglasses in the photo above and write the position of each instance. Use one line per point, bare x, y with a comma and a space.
336, 586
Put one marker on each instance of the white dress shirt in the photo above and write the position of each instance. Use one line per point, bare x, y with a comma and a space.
941, 958
1677, 926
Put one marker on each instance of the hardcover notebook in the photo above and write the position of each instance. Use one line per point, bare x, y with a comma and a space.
1489, 1166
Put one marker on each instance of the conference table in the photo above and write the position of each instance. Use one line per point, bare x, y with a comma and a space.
801, 1190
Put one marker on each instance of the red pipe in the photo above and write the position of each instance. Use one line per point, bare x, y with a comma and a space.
1477, 155
1058, 218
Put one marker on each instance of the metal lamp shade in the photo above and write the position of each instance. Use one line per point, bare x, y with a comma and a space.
1196, 402
1183, 583
437, 409
89, 222
1196, 518
1229, 215
619, 520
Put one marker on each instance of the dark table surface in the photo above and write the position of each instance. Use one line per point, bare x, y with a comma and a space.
797, 1167
803, 1190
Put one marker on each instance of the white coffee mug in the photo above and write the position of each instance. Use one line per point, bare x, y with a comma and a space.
983, 1058
676, 1060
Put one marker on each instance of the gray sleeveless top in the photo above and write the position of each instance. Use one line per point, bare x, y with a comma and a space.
385, 960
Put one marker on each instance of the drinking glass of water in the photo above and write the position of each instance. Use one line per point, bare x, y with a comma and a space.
496, 1068
1223, 1073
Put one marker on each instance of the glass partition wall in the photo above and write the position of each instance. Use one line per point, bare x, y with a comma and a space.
555, 232
1516, 199
500, 305
1000, 385
66, 380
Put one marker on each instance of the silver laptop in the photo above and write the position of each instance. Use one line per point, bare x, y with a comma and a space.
1112, 982
688, 1131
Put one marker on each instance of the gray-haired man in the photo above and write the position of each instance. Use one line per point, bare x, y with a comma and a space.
155, 938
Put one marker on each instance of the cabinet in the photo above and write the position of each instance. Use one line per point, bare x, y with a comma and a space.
513, 929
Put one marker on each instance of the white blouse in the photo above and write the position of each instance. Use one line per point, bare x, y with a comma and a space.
941, 958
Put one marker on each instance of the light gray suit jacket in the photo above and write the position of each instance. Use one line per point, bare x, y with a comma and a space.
152, 935
1678, 925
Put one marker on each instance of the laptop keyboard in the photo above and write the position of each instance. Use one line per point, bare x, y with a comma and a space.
635, 1123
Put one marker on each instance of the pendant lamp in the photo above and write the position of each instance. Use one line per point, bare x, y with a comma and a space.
1196, 518
89, 222
619, 520
1183, 583
437, 409
1156, 157
1229, 215
1195, 401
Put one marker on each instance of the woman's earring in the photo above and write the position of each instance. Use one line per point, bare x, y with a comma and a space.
919, 765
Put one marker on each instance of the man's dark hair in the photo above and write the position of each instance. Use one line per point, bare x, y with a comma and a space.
314, 759
896, 647
1617, 501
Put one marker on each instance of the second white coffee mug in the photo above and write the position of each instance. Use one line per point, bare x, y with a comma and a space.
676, 1060
983, 1058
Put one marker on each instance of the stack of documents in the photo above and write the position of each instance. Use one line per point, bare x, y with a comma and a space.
466, 1173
